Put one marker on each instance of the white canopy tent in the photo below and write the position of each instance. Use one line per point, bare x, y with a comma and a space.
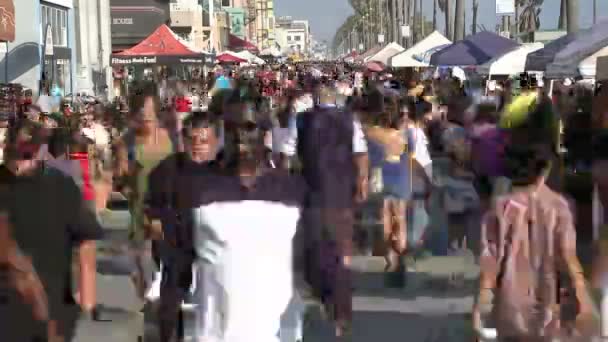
272, 51
511, 63
253, 59
386, 53
406, 58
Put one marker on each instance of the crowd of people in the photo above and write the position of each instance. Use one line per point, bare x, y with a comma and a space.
220, 183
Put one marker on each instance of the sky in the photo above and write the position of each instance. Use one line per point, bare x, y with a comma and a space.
326, 16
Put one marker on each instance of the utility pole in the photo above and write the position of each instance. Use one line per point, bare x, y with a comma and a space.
573, 10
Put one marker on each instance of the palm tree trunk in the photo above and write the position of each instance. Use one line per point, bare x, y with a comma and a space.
563, 15
434, 15
395, 20
573, 8
474, 19
449, 20
459, 20
421, 20
416, 28
399, 20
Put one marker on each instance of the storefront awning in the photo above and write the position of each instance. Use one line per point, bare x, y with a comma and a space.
161, 47
7, 25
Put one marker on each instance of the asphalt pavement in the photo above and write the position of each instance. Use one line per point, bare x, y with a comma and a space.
432, 306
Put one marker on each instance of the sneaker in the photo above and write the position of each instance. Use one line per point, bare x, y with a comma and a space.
153, 292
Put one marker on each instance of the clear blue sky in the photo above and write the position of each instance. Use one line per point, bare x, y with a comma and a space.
326, 16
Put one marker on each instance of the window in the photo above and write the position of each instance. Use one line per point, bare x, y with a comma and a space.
298, 38
288, 38
57, 17
226, 3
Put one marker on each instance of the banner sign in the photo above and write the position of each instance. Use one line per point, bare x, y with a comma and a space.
167, 60
505, 7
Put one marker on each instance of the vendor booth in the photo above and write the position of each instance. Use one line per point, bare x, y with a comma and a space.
474, 50
579, 56
386, 53
250, 57
364, 57
160, 56
229, 57
511, 63
408, 58
162, 47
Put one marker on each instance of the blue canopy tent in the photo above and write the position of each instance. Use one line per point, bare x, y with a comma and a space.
473, 50
539, 59
578, 57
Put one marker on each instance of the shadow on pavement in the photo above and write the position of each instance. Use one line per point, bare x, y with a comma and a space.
394, 326
417, 284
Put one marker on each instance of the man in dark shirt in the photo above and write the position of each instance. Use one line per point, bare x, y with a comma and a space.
173, 189
49, 218
333, 151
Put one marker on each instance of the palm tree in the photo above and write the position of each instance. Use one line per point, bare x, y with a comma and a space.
459, 20
435, 15
394, 20
474, 23
529, 20
573, 10
415, 24
446, 7
563, 15
344, 30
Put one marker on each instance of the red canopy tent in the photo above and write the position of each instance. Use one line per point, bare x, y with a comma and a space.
230, 58
238, 44
161, 47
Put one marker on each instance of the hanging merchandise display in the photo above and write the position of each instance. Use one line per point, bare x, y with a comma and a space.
11, 97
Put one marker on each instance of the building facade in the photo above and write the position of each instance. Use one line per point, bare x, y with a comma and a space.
293, 36
25, 60
187, 23
134, 20
264, 24
93, 46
